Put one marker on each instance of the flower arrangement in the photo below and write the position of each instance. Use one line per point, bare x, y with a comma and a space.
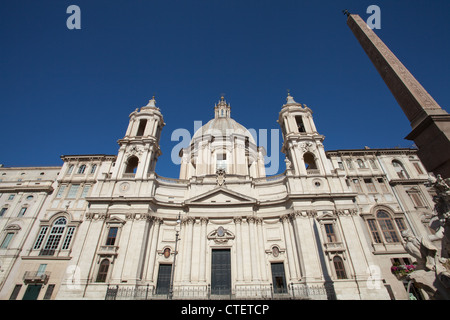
401, 270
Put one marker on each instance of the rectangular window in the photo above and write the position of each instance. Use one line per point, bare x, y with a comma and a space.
357, 185
85, 191
22, 212
418, 168
68, 239
331, 236
41, 270
48, 293
374, 230
300, 125
417, 200
341, 165
221, 161
112, 234
141, 128
40, 238
6, 240
400, 224
370, 186
60, 191
2, 211
15, 292
339, 267
382, 185
73, 191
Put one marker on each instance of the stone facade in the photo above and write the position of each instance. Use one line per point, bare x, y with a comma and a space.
326, 228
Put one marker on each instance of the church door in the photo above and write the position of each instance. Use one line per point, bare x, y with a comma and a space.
278, 278
163, 283
221, 272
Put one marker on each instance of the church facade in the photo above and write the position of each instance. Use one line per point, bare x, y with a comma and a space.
109, 227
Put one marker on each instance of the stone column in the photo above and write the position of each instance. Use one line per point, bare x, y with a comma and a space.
261, 249
203, 253
239, 244
187, 255
156, 223
253, 248
290, 248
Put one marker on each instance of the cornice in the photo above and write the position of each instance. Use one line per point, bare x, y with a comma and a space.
359, 152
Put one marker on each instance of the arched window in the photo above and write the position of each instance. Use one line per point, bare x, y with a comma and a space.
310, 162
360, 163
69, 171
132, 164
400, 169
339, 268
81, 169
93, 168
59, 237
387, 226
103, 271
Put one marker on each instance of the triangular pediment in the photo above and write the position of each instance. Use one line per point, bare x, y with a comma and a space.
326, 216
220, 196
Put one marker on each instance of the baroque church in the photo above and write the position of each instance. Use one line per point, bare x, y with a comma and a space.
109, 227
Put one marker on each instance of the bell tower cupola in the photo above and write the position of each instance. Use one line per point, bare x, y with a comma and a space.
139, 148
302, 144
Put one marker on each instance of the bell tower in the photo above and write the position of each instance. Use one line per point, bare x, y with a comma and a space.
139, 149
302, 144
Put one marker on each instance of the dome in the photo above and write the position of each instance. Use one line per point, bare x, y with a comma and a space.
222, 124
223, 127
213, 149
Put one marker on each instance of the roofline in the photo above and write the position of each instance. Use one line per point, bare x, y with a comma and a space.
31, 168
66, 156
414, 150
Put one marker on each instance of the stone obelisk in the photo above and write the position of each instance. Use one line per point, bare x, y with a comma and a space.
430, 123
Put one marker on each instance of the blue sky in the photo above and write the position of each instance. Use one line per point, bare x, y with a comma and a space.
71, 91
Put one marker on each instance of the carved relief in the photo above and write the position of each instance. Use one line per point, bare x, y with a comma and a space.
306, 146
221, 235
135, 150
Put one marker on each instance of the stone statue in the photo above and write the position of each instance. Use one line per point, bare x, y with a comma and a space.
423, 250
288, 164
442, 211
431, 273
